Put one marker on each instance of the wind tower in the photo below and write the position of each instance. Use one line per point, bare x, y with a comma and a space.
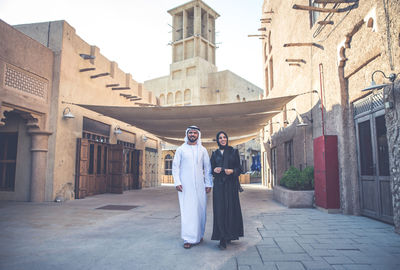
193, 44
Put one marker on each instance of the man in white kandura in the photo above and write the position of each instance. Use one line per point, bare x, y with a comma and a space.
191, 170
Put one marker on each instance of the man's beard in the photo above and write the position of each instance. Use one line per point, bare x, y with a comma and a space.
192, 139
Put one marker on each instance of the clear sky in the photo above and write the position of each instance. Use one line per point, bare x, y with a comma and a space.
135, 33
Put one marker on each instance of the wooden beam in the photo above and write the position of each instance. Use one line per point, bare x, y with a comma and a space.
127, 96
99, 75
120, 88
328, 10
296, 60
325, 22
294, 65
303, 44
86, 69
262, 29
335, 1
256, 35
134, 99
112, 85
299, 44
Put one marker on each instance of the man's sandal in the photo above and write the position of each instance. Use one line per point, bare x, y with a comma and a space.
187, 245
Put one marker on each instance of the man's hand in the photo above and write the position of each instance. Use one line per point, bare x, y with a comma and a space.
179, 188
228, 171
217, 169
208, 189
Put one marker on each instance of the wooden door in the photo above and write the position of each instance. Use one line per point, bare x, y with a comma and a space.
81, 178
116, 166
135, 169
101, 158
151, 167
91, 176
373, 167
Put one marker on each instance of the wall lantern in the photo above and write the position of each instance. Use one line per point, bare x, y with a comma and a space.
67, 114
373, 86
117, 130
144, 138
302, 123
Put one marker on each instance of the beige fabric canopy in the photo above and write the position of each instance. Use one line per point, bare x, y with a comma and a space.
212, 143
241, 121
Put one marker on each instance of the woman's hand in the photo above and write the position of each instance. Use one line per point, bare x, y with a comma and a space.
217, 169
228, 171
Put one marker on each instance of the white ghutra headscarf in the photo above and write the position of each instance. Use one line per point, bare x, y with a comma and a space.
198, 142
193, 128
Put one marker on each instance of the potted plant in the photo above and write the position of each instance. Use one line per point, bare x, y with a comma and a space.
296, 188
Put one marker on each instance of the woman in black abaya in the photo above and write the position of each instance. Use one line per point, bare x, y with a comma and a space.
225, 164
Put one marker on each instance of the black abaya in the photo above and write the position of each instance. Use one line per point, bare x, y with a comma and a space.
228, 222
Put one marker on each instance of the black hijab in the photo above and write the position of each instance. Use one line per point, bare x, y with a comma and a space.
219, 145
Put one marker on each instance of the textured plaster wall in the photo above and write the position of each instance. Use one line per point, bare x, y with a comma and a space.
73, 86
392, 117
350, 50
34, 61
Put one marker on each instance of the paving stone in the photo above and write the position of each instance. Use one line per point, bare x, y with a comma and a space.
338, 246
336, 240
317, 265
244, 267
282, 239
377, 259
280, 233
268, 242
290, 246
357, 267
229, 265
338, 260
266, 266
324, 253
290, 266
289, 257
350, 253
386, 266
338, 267
306, 240
248, 260
269, 250
273, 227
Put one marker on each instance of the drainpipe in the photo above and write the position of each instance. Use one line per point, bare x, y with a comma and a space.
321, 77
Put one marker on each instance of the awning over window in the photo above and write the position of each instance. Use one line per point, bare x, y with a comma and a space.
241, 121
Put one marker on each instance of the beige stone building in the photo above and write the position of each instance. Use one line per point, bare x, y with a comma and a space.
52, 148
326, 52
194, 78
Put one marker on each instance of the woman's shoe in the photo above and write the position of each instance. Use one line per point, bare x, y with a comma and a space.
222, 245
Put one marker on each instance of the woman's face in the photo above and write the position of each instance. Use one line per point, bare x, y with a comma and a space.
222, 139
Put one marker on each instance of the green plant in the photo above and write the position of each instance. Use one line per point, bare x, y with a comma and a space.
295, 179
307, 176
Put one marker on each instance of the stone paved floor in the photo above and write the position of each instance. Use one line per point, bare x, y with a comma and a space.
76, 235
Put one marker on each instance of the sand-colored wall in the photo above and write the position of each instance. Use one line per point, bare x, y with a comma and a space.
26, 70
347, 53
73, 85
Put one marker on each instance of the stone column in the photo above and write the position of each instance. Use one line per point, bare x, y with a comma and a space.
392, 117
39, 163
